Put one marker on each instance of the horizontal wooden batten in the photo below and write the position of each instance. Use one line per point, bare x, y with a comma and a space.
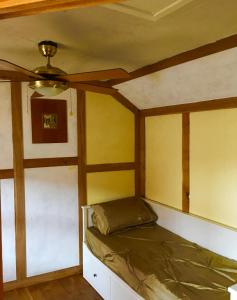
208, 49
29, 281
110, 167
215, 104
50, 162
6, 173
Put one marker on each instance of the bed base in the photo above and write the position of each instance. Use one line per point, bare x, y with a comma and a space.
111, 287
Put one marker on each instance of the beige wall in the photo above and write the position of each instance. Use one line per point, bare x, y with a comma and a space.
110, 139
213, 165
110, 130
106, 186
164, 159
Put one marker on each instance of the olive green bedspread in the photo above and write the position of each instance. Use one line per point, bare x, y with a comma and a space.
160, 265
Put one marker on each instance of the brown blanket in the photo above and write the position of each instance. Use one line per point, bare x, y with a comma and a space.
160, 265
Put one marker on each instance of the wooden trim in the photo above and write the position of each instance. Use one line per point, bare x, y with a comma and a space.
41, 278
215, 104
208, 49
110, 167
82, 180
6, 174
142, 155
18, 8
19, 182
125, 102
185, 161
137, 155
50, 162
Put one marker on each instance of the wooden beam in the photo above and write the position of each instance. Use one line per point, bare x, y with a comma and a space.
82, 180
142, 155
110, 167
6, 174
137, 149
50, 162
185, 160
218, 46
125, 102
19, 182
223, 103
29, 281
18, 8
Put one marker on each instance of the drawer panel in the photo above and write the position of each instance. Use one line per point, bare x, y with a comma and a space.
119, 290
96, 274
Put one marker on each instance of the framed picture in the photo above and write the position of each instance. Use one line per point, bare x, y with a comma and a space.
49, 121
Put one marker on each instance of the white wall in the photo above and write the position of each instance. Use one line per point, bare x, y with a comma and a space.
6, 158
51, 197
8, 229
207, 78
51, 219
51, 194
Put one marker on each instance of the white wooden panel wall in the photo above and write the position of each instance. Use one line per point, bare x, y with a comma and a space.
6, 157
51, 219
8, 229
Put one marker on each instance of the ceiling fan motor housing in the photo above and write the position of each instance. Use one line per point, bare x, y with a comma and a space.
48, 48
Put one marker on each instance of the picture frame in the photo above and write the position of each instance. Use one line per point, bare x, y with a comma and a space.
49, 121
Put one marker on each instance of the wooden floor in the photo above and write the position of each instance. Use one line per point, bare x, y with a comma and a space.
70, 288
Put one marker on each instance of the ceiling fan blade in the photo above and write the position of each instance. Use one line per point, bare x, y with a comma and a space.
10, 71
96, 75
93, 88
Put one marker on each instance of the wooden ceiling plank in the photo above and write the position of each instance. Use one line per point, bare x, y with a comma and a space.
15, 8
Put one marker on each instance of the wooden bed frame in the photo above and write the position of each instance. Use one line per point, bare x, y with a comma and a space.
192, 228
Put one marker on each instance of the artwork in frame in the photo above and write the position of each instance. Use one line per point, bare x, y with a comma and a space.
49, 121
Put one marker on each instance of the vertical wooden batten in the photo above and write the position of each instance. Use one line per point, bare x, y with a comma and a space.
185, 161
19, 179
142, 154
137, 155
81, 142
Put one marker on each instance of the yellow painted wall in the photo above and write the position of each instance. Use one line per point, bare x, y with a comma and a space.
213, 165
107, 186
110, 130
164, 159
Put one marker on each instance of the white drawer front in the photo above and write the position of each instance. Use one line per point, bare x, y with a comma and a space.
96, 274
119, 291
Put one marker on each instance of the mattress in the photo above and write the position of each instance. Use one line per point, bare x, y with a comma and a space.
160, 265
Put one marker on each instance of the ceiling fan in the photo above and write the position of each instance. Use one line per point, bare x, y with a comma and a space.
51, 81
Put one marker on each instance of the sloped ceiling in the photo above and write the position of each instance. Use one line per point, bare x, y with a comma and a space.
130, 34
104, 37
207, 78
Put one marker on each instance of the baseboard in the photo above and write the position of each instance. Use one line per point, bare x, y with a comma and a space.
12, 285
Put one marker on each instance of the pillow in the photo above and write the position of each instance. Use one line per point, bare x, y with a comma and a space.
120, 214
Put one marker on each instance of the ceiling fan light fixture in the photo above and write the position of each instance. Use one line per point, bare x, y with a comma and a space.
49, 88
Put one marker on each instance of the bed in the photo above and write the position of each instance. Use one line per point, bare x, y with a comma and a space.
160, 265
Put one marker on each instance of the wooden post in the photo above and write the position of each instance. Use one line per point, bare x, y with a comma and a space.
19, 182
185, 160
82, 182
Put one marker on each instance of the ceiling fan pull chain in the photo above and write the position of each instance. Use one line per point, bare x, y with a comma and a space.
70, 98
27, 100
